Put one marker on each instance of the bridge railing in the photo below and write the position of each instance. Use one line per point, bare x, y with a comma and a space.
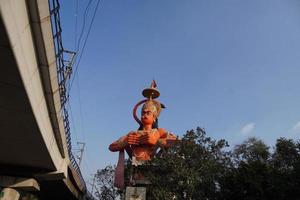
63, 74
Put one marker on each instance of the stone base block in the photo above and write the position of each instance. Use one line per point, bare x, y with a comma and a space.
135, 193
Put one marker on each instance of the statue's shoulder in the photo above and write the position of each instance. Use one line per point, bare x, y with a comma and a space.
162, 132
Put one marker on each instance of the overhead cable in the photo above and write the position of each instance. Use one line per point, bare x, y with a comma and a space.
83, 48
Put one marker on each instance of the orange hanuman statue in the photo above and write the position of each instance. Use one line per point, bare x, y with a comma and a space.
141, 145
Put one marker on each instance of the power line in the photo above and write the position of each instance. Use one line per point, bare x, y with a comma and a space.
77, 45
73, 124
79, 134
61, 69
83, 25
81, 53
80, 110
91, 161
76, 17
88, 170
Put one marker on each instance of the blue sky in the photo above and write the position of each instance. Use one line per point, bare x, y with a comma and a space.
230, 66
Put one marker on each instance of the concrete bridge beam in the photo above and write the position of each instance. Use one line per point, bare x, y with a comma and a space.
16, 18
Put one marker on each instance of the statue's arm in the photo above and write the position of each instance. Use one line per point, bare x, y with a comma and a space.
118, 145
149, 138
130, 139
166, 139
155, 138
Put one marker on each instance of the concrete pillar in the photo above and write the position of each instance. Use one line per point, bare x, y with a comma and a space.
9, 194
12, 186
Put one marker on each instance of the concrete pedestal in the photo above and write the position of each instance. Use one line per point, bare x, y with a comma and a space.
135, 193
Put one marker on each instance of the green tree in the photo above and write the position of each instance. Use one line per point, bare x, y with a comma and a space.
251, 150
190, 169
105, 189
198, 167
248, 178
286, 155
286, 169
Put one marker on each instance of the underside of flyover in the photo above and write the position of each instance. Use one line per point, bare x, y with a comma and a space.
20, 141
54, 190
23, 152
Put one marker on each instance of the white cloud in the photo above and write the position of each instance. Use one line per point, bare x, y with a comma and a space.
247, 129
296, 128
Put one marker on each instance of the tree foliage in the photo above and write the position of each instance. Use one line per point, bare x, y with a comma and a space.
199, 167
190, 169
105, 189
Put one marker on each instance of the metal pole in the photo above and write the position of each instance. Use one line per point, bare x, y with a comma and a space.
93, 183
81, 152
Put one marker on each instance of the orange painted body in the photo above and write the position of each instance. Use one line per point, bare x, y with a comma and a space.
144, 143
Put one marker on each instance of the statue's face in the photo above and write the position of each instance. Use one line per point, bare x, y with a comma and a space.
147, 117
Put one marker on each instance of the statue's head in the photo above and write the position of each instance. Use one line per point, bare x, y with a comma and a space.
151, 107
150, 112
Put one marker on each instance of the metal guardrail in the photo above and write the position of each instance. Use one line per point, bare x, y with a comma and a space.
63, 72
